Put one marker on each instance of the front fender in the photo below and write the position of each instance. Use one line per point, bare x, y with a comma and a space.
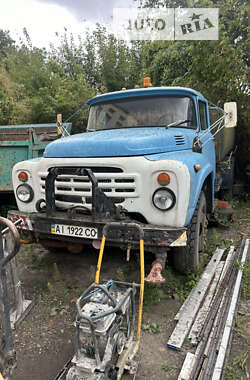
197, 178
197, 182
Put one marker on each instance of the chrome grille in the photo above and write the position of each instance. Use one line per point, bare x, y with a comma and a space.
78, 189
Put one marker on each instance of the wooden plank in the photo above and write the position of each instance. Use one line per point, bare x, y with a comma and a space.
187, 367
191, 309
202, 313
184, 306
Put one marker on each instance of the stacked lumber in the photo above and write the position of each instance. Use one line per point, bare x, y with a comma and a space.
206, 317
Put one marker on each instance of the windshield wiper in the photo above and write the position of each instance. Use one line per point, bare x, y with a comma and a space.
178, 123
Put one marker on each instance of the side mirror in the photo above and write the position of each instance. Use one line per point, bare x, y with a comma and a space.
197, 146
231, 117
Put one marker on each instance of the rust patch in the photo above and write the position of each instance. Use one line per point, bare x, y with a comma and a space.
155, 276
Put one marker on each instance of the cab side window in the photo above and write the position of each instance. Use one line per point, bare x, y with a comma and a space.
203, 115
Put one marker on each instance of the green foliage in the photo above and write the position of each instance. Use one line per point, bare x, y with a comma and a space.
152, 328
218, 69
13, 107
152, 295
191, 279
5, 43
62, 288
168, 368
109, 64
246, 280
214, 240
37, 84
176, 286
120, 275
237, 370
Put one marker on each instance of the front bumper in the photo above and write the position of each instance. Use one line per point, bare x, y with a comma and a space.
40, 226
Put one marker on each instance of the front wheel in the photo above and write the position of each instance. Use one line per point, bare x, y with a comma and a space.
188, 257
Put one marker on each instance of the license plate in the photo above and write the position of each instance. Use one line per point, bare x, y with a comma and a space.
75, 231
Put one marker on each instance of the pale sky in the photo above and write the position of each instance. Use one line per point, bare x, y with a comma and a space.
43, 18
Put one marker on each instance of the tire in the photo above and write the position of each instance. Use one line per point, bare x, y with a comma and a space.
188, 257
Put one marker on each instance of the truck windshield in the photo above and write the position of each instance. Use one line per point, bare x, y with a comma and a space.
146, 111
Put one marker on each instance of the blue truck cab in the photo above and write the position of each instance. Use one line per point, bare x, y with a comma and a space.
148, 157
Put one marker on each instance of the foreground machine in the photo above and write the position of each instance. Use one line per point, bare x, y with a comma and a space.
106, 343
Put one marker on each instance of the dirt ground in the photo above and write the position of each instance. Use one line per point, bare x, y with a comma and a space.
44, 340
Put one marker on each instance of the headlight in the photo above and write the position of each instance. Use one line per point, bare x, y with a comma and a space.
164, 199
25, 193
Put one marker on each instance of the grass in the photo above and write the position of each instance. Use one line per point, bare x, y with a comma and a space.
237, 369
168, 368
176, 286
34, 258
62, 290
153, 295
152, 328
57, 295
246, 280
179, 286
215, 240
57, 292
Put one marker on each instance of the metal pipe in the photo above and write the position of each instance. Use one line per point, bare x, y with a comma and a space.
142, 269
8, 339
7, 228
141, 289
16, 240
99, 263
211, 318
218, 326
229, 322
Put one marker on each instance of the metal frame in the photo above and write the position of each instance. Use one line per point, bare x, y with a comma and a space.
106, 228
9, 355
217, 126
126, 358
102, 206
21, 306
116, 308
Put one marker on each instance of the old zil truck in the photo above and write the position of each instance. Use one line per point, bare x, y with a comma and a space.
148, 157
